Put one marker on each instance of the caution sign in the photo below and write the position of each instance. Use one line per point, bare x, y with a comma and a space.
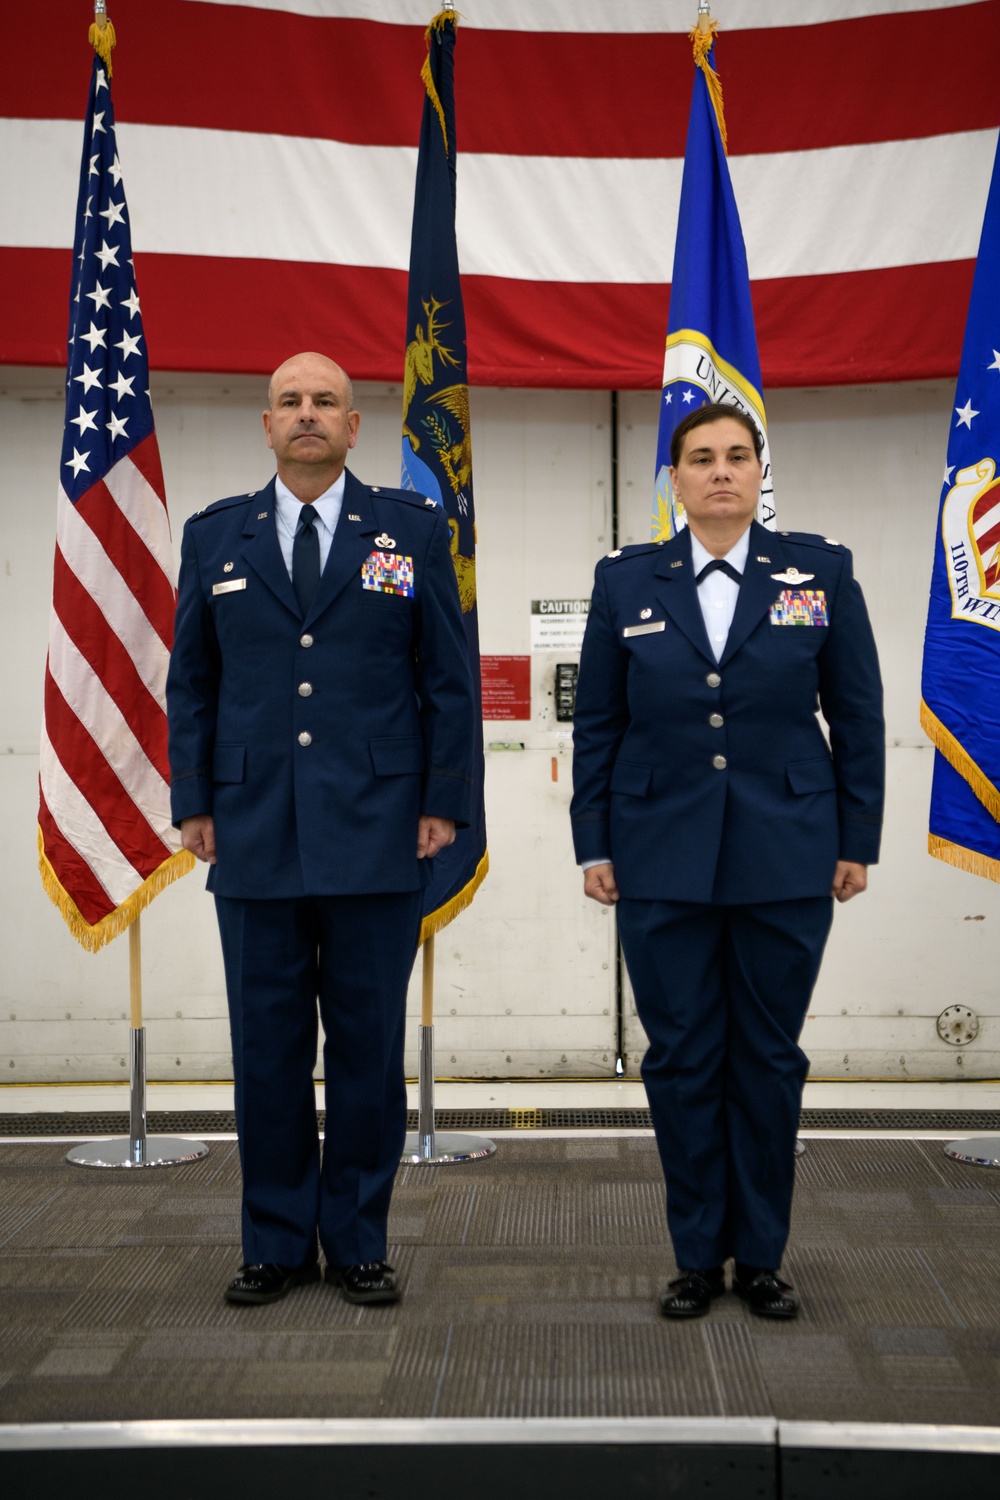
558, 624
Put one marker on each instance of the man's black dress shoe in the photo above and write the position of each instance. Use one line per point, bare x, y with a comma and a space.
372, 1282
764, 1293
690, 1293
268, 1283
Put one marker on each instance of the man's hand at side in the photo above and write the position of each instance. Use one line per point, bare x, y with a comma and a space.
600, 885
198, 835
433, 834
849, 880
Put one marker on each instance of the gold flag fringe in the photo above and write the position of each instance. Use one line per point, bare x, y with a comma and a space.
702, 37
117, 921
438, 24
435, 921
945, 741
102, 38
963, 859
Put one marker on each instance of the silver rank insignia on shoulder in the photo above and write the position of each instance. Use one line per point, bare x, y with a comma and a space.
352, 517
616, 553
792, 575
644, 614
227, 568
384, 541
831, 541
429, 501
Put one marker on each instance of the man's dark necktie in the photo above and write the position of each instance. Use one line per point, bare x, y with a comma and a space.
723, 567
305, 558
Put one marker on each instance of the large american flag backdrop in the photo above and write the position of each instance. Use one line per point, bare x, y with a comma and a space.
271, 148
105, 841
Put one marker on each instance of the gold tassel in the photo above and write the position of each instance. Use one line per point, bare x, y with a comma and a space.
102, 38
439, 22
702, 37
962, 858
945, 741
117, 921
439, 919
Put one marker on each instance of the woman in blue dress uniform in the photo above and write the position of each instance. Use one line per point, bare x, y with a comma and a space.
711, 809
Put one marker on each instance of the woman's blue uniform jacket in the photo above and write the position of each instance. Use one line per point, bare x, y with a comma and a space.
714, 782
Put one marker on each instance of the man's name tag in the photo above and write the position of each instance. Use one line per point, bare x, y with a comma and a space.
650, 629
231, 586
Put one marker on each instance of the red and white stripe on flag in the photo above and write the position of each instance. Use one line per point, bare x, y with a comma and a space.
271, 148
106, 844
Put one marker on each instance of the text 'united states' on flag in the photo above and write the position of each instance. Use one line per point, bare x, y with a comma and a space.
106, 844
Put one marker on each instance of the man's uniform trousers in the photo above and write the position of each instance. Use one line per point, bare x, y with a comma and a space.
355, 953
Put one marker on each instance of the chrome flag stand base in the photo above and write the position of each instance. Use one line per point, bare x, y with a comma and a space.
425, 1146
980, 1150
138, 1150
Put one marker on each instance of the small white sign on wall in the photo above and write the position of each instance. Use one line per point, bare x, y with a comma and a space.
558, 624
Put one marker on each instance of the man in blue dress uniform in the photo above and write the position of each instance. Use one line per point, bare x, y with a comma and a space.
321, 714
709, 806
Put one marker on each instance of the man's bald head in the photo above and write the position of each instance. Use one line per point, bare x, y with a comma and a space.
310, 423
290, 370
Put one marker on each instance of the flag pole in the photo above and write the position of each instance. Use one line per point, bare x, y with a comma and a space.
102, 865
437, 463
137, 1149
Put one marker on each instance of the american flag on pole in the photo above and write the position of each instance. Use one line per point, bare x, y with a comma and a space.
105, 841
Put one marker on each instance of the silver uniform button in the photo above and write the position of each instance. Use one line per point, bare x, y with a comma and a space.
305, 691
718, 761
716, 720
713, 679
305, 640
305, 738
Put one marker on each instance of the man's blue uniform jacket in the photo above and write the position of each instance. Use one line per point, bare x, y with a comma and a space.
714, 782
317, 742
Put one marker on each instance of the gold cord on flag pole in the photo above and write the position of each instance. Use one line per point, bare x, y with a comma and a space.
702, 39
102, 34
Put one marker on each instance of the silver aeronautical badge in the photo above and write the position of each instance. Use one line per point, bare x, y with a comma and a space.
385, 541
645, 614
792, 575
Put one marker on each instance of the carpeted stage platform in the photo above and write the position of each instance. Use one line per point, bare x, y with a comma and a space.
530, 1285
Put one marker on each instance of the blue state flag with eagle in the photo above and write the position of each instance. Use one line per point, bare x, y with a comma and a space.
437, 442
960, 705
711, 352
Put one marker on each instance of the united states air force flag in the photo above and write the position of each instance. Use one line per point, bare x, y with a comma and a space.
437, 443
711, 341
961, 677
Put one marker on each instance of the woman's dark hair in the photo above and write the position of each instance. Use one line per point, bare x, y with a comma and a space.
713, 413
